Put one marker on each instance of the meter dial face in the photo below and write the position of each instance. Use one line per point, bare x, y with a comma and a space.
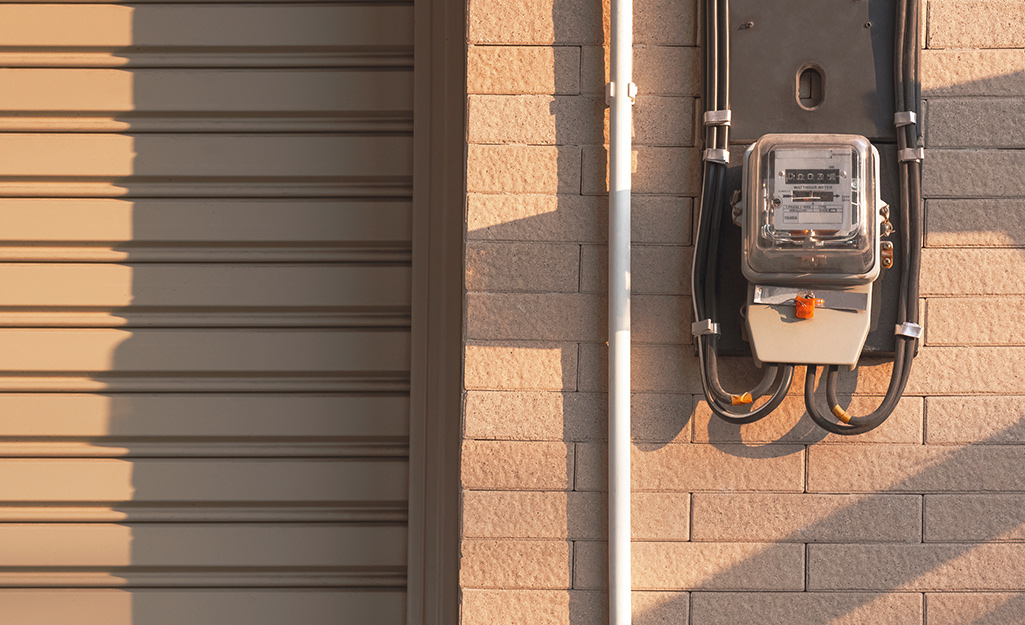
812, 209
813, 189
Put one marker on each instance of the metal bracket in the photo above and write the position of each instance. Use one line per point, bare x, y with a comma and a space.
911, 154
835, 300
701, 328
718, 118
610, 92
905, 118
736, 203
908, 329
717, 155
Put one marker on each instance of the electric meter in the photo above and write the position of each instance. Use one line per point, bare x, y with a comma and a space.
812, 216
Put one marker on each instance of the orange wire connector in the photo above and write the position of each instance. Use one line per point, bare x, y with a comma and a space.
806, 305
740, 400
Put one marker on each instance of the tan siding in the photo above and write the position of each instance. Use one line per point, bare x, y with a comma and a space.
260, 607
205, 247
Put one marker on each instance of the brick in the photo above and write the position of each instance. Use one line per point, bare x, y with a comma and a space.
552, 515
654, 417
534, 218
661, 219
976, 123
660, 608
966, 370
922, 567
693, 467
658, 70
653, 368
517, 465
972, 73
524, 366
575, 120
561, 316
535, 21
973, 173
975, 518
976, 321
523, 69
975, 223
501, 266
515, 564
665, 22
660, 269
662, 121
535, 119
541, 607
777, 517
805, 608
656, 219
975, 420
790, 423
535, 316
656, 319
516, 415
915, 468
684, 566
948, 271
993, 24
572, 416
522, 169
659, 121
976, 608
660, 516
567, 607
574, 516
655, 170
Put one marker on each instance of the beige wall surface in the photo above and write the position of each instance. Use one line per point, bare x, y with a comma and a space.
205, 292
920, 521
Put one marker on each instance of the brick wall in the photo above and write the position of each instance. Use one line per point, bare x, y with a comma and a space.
920, 521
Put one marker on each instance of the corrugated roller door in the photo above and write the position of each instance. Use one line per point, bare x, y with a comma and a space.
204, 313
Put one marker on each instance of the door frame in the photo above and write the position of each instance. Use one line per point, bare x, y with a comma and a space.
439, 196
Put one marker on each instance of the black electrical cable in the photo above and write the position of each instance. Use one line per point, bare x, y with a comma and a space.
776, 379
712, 77
781, 382
724, 67
907, 91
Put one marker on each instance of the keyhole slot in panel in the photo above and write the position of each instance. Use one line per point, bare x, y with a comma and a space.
811, 87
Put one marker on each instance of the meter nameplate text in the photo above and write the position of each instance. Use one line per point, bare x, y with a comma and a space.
813, 189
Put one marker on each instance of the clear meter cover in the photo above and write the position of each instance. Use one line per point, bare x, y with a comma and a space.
811, 207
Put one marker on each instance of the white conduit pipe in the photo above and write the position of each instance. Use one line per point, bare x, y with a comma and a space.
620, 95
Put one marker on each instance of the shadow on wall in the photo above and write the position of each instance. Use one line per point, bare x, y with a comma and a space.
888, 521
218, 393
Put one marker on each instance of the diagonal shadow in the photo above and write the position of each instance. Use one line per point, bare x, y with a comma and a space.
888, 565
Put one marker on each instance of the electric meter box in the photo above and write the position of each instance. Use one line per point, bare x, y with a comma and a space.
811, 246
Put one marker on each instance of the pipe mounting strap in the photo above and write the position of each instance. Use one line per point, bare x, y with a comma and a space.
717, 155
908, 329
703, 327
905, 118
911, 154
718, 118
610, 92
